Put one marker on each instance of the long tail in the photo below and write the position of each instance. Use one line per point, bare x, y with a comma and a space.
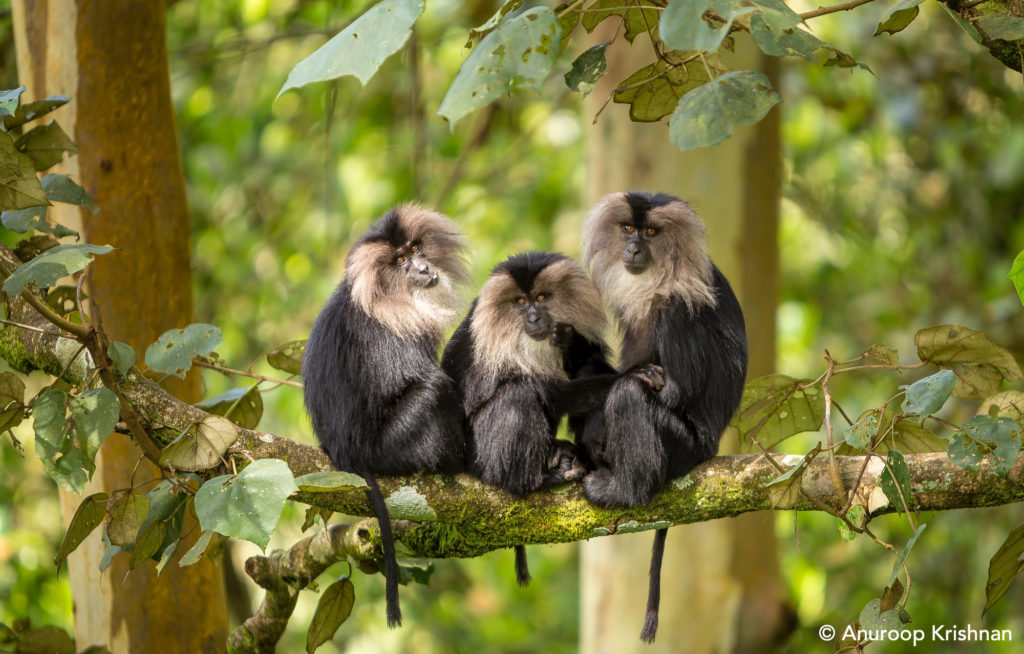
650, 629
523, 577
387, 540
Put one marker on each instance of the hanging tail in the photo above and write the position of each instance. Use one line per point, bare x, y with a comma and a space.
650, 629
523, 577
387, 540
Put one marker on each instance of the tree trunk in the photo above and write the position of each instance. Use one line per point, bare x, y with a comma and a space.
110, 57
721, 588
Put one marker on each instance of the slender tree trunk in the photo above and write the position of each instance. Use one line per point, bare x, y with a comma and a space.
721, 588
110, 56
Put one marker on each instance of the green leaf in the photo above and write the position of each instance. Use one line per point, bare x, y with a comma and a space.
167, 509
896, 484
782, 43
197, 550
200, 447
784, 490
477, 33
9, 100
123, 356
312, 513
774, 407
970, 354
1001, 26
127, 514
88, 516
981, 435
172, 353
148, 543
684, 27
926, 396
883, 353
518, 54
35, 109
568, 22
638, 16
19, 186
898, 16
654, 91
60, 188
288, 357
1004, 566
902, 556
48, 267
327, 482
777, 14
109, 552
12, 400
247, 505
873, 618
45, 145
95, 413
1009, 404
360, 48
859, 434
1017, 275
332, 610
587, 69
709, 113
22, 220
891, 596
243, 406
63, 463
856, 515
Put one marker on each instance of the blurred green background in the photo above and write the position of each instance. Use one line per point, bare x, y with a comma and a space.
903, 207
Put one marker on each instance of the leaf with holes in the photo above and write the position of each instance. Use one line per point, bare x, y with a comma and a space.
32, 110
926, 396
288, 357
902, 556
48, 267
247, 505
1008, 404
684, 26
22, 220
898, 16
775, 407
361, 48
61, 188
896, 481
123, 356
45, 145
200, 447
62, 461
981, 435
330, 481
587, 69
518, 54
19, 186
88, 516
709, 113
638, 16
654, 91
781, 43
172, 353
242, 406
480, 31
859, 434
332, 610
1004, 566
127, 514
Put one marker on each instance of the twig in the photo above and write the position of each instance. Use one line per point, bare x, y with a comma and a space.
232, 371
22, 326
842, 6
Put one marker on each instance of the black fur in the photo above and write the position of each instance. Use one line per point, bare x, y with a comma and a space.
512, 417
378, 402
645, 437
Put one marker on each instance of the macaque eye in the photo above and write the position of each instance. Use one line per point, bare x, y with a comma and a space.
415, 247
541, 297
400, 260
520, 300
651, 231
629, 229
